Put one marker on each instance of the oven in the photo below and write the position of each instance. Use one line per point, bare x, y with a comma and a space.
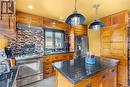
30, 71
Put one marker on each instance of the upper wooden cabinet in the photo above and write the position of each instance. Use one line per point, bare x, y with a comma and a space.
106, 20
40, 21
54, 24
29, 19
119, 18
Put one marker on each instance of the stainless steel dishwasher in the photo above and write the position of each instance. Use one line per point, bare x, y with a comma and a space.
30, 71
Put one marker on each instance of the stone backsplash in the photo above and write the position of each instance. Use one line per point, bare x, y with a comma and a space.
29, 40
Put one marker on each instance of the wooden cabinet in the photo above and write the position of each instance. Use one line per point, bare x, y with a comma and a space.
49, 59
54, 24
120, 18
119, 42
106, 20
106, 78
40, 21
114, 44
29, 19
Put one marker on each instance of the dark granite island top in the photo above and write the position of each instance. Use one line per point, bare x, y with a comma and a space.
8, 79
77, 70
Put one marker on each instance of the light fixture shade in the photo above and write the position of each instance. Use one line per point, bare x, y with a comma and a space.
96, 25
75, 19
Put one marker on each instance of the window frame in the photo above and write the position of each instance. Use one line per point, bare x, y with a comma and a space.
54, 44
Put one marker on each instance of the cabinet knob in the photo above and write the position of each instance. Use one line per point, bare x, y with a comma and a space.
113, 70
89, 85
103, 76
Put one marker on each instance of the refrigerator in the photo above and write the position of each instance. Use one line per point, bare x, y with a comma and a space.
81, 46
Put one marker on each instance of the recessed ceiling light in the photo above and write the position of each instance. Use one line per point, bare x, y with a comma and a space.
30, 6
61, 17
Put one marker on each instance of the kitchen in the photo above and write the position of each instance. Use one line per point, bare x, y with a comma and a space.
64, 43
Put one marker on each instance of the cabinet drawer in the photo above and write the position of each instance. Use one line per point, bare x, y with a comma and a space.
47, 64
47, 59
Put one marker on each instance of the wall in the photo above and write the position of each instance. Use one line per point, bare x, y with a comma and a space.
3, 42
94, 41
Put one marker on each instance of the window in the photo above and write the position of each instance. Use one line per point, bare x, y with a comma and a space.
54, 40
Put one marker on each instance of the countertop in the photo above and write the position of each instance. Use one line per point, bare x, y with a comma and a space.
8, 79
76, 70
37, 56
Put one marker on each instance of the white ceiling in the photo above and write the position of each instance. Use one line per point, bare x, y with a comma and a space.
62, 8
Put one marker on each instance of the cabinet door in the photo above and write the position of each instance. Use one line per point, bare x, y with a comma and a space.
29, 19
106, 20
119, 18
109, 78
122, 73
54, 24
106, 42
119, 42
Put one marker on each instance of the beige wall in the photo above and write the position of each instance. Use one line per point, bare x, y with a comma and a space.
3, 42
94, 41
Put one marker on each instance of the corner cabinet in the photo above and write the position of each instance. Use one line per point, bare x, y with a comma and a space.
114, 44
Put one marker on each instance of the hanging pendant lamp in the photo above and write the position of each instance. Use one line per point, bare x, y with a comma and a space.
97, 24
75, 18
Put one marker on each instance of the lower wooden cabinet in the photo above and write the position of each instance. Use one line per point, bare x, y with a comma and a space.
106, 78
48, 70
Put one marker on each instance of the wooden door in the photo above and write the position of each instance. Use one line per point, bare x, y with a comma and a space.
106, 42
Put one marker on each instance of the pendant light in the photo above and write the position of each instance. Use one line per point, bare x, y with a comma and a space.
75, 18
97, 24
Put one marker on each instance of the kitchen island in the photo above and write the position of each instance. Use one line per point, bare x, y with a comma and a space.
77, 73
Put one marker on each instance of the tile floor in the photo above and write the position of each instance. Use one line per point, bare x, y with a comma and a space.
49, 82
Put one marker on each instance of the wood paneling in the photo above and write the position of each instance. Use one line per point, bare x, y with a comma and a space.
106, 78
80, 30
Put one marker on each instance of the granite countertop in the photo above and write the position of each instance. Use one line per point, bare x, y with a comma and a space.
37, 56
76, 70
8, 79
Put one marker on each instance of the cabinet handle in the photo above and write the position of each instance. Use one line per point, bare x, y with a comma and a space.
89, 85
103, 76
113, 70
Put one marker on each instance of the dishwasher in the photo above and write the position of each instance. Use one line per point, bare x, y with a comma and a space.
30, 71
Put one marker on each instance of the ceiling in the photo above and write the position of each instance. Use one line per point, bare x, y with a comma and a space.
62, 8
